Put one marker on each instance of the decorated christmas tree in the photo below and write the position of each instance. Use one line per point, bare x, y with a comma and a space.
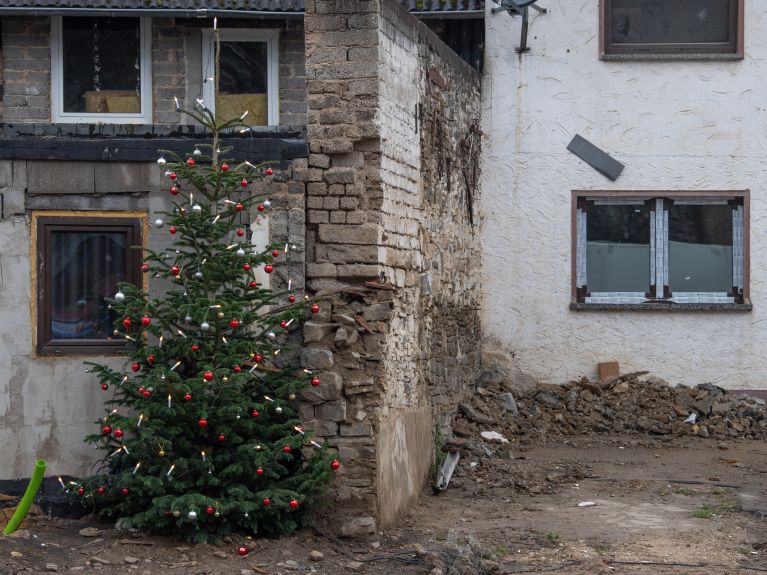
201, 435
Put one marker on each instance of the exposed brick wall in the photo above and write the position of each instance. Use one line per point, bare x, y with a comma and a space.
168, 70
26, 69
384, 195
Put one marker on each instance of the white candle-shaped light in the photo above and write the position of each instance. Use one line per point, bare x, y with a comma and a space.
172, 467
169, 401
162, 337
116, 451
140, 419
224, 340
181, 333
125, 449
286, 248
175, 365
135, 469
252, 369
61, 482
218, 217
289, 322
204, 459
315, 444
299, 429
267, 398
215, 23
290, 283
245, 113
175, 100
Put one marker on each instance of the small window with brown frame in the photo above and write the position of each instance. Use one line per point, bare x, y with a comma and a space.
675, 247
80, 260
673, 28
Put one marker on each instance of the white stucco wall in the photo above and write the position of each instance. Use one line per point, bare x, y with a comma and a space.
682, 125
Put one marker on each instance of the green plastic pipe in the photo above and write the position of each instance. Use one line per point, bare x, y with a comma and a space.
29, 497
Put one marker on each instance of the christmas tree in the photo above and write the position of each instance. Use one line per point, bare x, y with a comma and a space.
201, 436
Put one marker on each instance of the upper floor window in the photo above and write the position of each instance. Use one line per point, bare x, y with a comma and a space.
681, 28
100, 70
80, 262
248, 73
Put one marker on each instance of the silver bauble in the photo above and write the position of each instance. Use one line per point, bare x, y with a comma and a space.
197, 208
192, 515
188, 319
197, 152
177, 513
161, 162
271, 335
241, 252
119, 297
205, 326
159, 222
198, 275
267, 204
278, 409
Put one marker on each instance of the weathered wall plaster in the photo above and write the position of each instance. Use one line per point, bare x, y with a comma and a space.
684, 125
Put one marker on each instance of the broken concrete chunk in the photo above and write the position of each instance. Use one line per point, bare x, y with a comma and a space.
493, 436
358, 526
90, 532
508, 403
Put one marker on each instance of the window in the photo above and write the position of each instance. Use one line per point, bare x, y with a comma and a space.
80, 262
248, 75
696, 28
684, 247
100, 70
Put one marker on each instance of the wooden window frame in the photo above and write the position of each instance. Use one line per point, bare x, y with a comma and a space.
58, 115
733, 49
271, 37
577, 295
44, 224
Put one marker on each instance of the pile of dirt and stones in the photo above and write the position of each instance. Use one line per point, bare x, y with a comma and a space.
632, 403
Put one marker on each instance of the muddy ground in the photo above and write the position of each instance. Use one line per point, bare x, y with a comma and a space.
660, 505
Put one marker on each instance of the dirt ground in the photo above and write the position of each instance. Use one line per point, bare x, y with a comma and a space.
681, 505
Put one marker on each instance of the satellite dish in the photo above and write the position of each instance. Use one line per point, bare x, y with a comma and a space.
519, 8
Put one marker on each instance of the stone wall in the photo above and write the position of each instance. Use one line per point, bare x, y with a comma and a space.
386, 200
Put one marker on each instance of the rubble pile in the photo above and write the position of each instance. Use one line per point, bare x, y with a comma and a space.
632, 403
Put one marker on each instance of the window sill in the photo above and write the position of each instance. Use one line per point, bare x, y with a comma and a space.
669, 57
662, 307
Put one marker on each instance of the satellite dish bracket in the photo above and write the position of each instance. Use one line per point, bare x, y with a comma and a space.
519, 8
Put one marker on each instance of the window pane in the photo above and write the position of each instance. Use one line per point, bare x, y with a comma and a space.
618, 248
670, 21
85, 268
700, 248
243, 84
102, 65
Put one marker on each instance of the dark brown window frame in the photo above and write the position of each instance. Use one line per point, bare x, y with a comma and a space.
734, 49
45, 226
743, 195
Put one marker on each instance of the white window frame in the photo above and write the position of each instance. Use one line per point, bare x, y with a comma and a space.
57, 81
271, 37
659, 264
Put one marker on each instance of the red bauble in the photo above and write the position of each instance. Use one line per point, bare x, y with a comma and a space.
259, 471
127, 322
234, 324
145, 267
267, 502
150, 359
224, 167
315, 308
173, 176
172, 229
240, 232
242, 551
283, 324
168, 513
187, 397
173, 190
244, 183
268, 268
292, 299
104, 386
125, 491
190, 162
145, 321
286, 448
135, 366
81, 490
209, 510
269, 171
221, 437
118, 433
208, 376
195, 347
202, 422
147, 394
236, 369
275, 253
261, 207
258, 357
246, 267
254, 413
293, 504
315, 381
175, 270
239, 207
253, 284
106, 430
335, 465
141, 390
100, 489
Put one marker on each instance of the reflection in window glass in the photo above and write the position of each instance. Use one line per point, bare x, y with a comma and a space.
618, 248
101, 65
700, 248
243, 84
86, 267
670, 21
